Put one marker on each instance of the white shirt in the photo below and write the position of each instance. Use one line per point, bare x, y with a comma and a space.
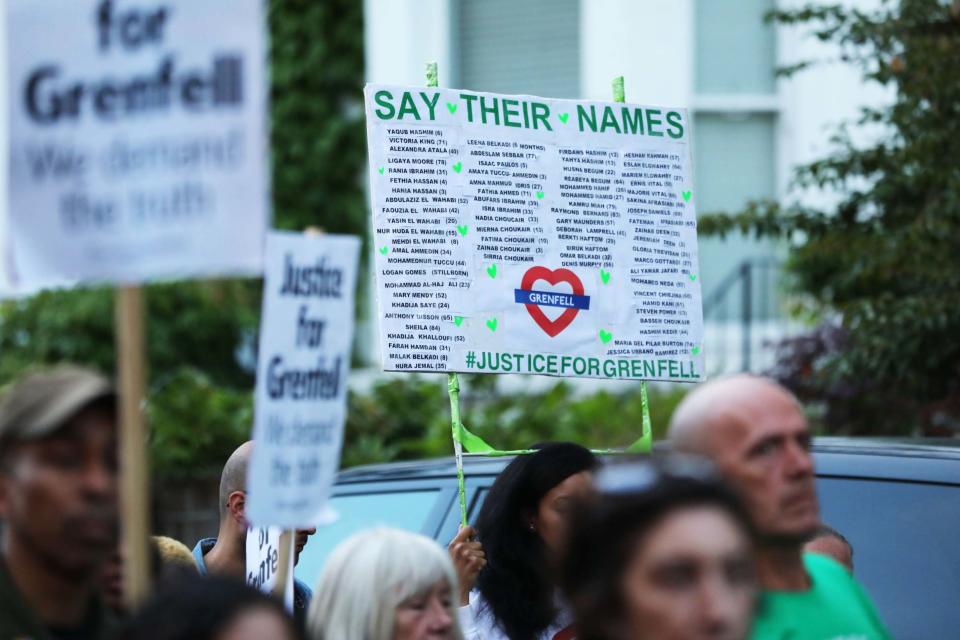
478, 623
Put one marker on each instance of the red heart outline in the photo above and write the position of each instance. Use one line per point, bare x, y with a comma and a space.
551, 327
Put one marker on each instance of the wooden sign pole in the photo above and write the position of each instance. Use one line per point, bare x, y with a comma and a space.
134, 470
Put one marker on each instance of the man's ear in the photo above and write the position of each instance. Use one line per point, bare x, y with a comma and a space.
237, 507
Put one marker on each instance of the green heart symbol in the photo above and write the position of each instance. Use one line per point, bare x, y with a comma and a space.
463, 229
492, 271
492, 324
458, 320
686, 195
380, 170
451, 107
695, 350
384, 250
604, 276
539, 195
693, 277
563, 117
458, 166
605, 336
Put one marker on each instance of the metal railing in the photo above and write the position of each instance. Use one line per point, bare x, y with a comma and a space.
746, 304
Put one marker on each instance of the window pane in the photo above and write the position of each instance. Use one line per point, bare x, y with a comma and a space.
733, 162
530, 47
406, 510
735, 49
904, 538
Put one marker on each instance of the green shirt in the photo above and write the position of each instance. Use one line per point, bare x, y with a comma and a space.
834, 608
18, 622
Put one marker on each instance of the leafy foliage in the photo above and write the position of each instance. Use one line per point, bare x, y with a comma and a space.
408, 417
884, 264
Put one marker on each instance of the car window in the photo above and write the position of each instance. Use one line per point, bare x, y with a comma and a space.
404, 510
904, 538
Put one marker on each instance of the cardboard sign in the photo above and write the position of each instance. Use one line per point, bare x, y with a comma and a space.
263, 562
300, 399
138, 139
516, 234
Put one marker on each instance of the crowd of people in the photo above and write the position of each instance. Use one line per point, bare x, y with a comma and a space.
716, 536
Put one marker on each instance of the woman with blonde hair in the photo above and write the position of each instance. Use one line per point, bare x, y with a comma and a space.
385, 584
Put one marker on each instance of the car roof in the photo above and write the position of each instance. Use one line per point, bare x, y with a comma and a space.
900, 459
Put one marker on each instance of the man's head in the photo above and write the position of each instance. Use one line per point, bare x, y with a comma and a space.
233, 491
58, 470
829, 542
233, 499
756, 433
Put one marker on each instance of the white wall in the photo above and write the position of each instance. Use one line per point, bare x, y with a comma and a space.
648, 42
401, 36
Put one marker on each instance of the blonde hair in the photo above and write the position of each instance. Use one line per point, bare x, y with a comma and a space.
368, 575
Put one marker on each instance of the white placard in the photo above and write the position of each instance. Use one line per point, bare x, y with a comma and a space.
301, 391
263, 562
516, 234
138, 139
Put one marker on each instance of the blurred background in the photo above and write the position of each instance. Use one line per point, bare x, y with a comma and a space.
817, 260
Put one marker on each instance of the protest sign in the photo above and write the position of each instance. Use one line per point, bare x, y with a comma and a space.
264, 558
516, 234
300, 399
138, 139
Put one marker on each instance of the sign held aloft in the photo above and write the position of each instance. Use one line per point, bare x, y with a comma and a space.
138, 139
306, 331
516, 234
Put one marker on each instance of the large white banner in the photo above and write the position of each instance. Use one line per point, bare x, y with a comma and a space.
516, 234
138, 139
304, 359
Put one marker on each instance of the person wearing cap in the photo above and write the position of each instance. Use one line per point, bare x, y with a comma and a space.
58, 503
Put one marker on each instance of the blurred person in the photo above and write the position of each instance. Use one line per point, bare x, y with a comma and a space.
829, 542
385, 584
169, 560
664, 552
227, 553
756, 433
210, 608
522, 529
58, 503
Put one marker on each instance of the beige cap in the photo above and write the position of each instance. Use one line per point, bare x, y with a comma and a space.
38, 404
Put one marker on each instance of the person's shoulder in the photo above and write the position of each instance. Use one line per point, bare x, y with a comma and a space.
818, 564
301, 591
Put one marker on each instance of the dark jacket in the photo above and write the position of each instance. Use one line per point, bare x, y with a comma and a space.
301, 592
18, 621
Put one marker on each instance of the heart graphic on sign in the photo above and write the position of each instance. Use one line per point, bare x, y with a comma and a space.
686, 195
695, 350
551, 327
384, 250
451, 107
492, 324
462, 229
563, 117
604, 276
381, 169
605, 336
458, 320
457, 166
539, 195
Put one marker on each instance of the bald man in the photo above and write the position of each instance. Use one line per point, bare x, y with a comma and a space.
756, 433
227, 553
